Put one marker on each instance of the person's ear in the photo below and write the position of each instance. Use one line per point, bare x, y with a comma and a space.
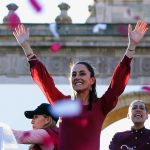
128, 116
93, 79
48, 119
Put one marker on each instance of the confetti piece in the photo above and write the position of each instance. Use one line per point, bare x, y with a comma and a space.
53, 30
67, 108
36, 5
55, 47
146, 88
13, 21
99, 27
128, 12
122, 29
136, 17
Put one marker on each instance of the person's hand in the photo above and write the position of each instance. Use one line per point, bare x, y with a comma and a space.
21, 34
137, 34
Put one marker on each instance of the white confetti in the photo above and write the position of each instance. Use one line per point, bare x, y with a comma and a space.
67, 108
53, 29
99, 27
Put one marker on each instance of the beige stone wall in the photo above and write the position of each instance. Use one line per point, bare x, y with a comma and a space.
120, 11
103, 50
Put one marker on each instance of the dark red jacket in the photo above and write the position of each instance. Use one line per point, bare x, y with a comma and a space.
83, 132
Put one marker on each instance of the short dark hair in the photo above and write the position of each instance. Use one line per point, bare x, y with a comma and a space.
138, 101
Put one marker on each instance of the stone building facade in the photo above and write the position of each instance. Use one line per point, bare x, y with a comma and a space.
101, 41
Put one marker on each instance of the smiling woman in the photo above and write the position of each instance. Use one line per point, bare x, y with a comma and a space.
138, 136
48, 12
18, 99
95, 109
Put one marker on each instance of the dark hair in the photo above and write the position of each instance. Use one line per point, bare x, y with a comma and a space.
93, 93
131, 104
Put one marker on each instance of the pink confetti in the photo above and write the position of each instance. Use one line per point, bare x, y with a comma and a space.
129, 12
137, 17
146, 88
122, 29
13, 21
36, 5
55, 47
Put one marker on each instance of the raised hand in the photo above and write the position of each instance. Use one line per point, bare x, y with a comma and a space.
137, 34
21, 34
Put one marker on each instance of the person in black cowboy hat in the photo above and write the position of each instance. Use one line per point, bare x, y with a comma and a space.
44, 135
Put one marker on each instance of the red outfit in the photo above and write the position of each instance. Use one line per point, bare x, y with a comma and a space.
83, 132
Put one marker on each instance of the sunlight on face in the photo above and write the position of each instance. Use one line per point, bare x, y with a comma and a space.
138, 112
39, 121
81, 78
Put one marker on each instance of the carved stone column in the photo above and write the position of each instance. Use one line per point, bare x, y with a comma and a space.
63, 17
100, 12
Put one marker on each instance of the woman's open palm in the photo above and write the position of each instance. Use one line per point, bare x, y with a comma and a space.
138, 33
21, 34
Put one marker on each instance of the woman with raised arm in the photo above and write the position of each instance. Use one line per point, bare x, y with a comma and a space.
44, 135
83, 132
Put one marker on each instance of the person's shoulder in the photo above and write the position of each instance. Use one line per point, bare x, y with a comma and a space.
54, 130
122, 134
147, 130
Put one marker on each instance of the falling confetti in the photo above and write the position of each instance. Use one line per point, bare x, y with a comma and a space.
13, 21
136, 17
122, 29
55, 47
67, 108
36, 5
99, 27
128, 12
146, 88
53, 30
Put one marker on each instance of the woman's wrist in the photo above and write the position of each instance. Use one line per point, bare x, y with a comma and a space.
27, 49
131, 47
131, 50
30, 55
